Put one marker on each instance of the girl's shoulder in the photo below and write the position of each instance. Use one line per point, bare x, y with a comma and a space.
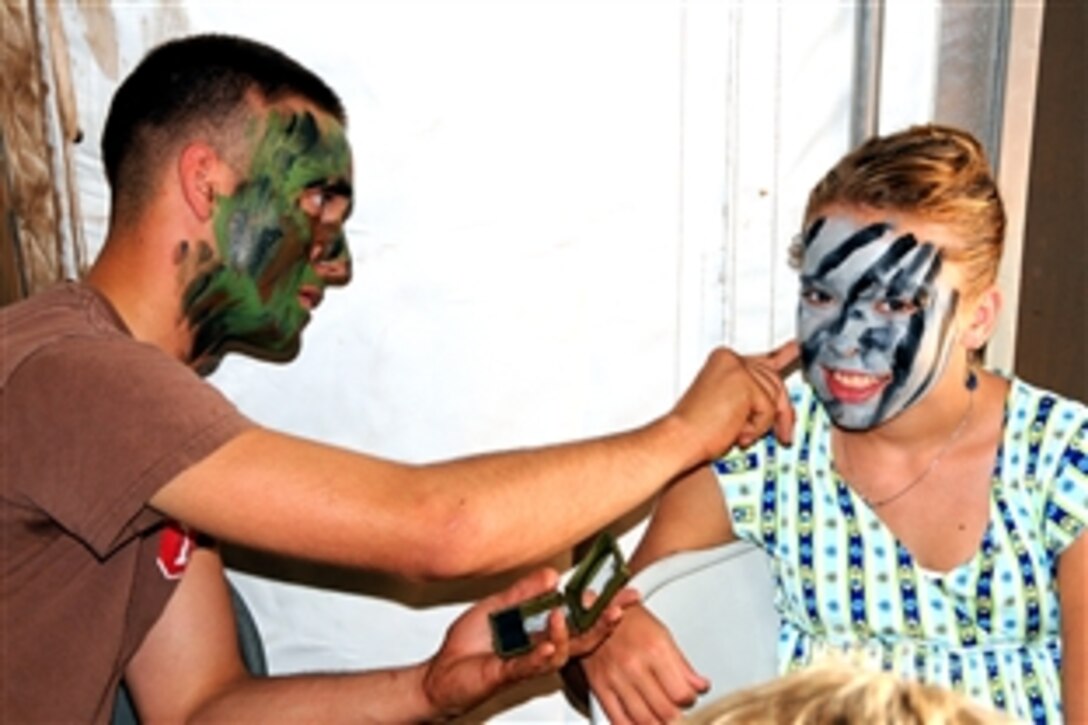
1044, 414
1044, 465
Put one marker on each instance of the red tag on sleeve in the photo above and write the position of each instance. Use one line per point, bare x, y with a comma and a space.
176, 544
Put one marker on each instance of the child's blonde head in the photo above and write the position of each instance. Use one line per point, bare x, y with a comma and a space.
841, 695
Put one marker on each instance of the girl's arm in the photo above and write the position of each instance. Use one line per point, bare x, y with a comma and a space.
639, 674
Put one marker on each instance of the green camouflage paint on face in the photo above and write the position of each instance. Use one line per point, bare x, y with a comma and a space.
250, 298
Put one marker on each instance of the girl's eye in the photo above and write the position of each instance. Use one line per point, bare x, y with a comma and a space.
815, 296
895, 306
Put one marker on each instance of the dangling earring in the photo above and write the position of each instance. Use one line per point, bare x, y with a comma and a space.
974, 360
972, 381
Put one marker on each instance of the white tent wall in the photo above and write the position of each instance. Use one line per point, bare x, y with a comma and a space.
560, 208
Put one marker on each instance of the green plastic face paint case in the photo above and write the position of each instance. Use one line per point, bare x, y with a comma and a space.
599, 576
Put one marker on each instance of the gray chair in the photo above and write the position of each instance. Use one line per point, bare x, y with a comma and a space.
249, 643
719, 606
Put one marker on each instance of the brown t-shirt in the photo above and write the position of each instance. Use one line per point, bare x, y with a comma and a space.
92, 424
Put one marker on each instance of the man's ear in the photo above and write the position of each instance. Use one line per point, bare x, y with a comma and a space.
197, 167
982, 319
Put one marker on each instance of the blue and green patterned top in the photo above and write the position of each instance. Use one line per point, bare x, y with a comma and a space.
845, 585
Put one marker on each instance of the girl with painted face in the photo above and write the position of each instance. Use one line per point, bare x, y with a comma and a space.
877, 319
929, 517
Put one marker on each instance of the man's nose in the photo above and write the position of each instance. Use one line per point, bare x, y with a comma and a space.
332, 261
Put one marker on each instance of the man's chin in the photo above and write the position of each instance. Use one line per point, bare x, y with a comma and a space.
266, 349
281, 354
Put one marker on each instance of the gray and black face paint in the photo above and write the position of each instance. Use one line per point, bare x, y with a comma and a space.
874, 319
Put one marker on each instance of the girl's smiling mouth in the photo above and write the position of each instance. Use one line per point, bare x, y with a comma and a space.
854, 387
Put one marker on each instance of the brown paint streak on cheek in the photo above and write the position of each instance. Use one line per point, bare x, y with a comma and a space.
193, 259
196, 315
183, 261
289, 255
205, 253
216, 300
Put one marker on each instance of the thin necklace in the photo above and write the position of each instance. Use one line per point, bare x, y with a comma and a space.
972, 383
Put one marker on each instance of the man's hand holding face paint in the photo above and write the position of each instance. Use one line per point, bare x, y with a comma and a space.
466, 670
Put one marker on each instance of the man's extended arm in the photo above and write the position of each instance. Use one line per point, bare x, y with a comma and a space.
475, 515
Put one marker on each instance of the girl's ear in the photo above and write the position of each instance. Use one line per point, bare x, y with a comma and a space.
982, 319
197, 167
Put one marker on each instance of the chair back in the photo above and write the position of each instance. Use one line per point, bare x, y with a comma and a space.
719, 605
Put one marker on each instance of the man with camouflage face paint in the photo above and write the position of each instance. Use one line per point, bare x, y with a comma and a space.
280, 241
874, 318
230, 174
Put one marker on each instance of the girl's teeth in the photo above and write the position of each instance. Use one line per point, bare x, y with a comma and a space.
853, 380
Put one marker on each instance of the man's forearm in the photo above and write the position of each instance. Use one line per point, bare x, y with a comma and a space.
458, 518
518, 507
393, 695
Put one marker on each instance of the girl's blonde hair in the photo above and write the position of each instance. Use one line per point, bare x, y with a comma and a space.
842, 695
936, 173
